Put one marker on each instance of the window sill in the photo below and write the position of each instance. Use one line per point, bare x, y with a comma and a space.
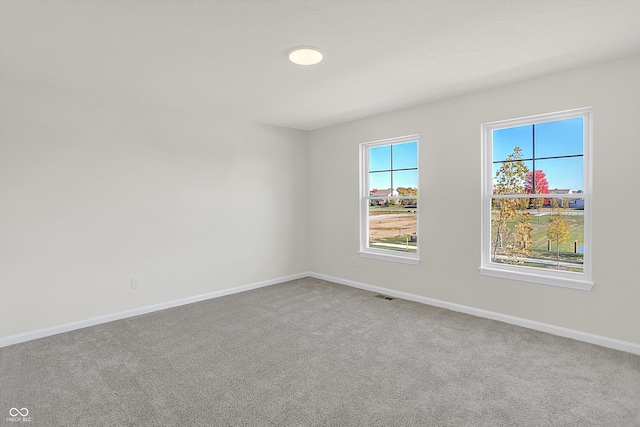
383, 256
544, 279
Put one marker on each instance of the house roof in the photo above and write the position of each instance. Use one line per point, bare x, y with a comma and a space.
382, 193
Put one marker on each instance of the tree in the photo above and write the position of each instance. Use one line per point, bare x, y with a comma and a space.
558, 233
537, 180
509, 180
538, 203
540, 181
522, 235
408, 191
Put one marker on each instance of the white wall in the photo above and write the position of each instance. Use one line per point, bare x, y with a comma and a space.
450, 163
96, 192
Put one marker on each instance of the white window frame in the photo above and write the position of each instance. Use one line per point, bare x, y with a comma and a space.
567, 279
375, 253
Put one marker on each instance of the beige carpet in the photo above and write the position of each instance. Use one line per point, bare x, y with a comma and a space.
313, 353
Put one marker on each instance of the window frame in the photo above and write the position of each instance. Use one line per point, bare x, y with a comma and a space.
376, 253
567, 279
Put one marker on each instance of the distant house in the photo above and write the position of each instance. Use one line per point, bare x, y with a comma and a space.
389, 192
574, 203
559, 191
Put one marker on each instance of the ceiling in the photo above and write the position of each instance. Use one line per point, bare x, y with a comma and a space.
229, 57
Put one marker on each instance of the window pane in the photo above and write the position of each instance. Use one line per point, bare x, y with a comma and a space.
405, 155
564, 173
406, 179
380, 158
393, 226
379, 181
559, 138
505, 140
511, 177
544, 237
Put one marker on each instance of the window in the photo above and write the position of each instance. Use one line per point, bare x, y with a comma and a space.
389, 200
536, 199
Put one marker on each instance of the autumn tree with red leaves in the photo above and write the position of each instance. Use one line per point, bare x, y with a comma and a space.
541, 186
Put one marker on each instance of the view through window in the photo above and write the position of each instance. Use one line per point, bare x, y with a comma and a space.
537, 194
390, 222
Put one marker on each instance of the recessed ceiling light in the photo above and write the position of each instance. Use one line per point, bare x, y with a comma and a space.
305, 56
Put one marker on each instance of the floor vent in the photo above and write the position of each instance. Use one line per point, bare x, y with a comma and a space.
388, 298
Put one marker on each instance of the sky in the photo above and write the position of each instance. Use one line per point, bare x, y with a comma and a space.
387, 158
558, 138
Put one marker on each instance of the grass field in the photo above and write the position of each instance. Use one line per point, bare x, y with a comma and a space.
392, 225
542, 249
395, 224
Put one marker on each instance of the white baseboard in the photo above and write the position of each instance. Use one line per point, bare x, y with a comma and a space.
530, 324
41, 333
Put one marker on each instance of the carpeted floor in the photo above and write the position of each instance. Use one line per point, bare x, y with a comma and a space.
313, 353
